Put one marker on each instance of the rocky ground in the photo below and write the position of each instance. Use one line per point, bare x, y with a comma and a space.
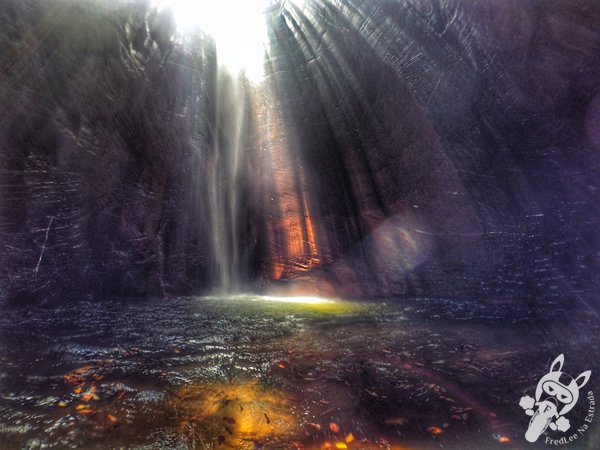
252, 373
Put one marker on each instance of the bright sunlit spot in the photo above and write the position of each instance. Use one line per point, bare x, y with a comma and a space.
306, 300
237, 26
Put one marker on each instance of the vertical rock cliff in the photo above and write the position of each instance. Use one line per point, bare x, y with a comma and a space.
394, 148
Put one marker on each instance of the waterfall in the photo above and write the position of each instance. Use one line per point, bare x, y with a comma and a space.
224, 181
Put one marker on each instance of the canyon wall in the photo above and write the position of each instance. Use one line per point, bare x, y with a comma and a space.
396, 148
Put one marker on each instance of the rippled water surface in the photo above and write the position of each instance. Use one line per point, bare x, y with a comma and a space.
250, 372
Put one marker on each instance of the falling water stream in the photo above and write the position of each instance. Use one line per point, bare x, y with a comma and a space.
239, 33
223, 181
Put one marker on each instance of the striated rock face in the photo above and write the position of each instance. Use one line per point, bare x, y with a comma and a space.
449, 145
396, 148
98, 182
378, 179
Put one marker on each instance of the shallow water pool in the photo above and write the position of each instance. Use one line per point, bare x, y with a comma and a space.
250, 372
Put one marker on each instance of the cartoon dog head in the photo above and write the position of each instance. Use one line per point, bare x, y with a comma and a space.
561, 386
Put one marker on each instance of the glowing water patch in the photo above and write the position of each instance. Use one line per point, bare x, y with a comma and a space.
307, 300
235, 414
302, 306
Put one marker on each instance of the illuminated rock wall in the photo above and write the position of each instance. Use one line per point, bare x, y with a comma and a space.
449, 143
397, 148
